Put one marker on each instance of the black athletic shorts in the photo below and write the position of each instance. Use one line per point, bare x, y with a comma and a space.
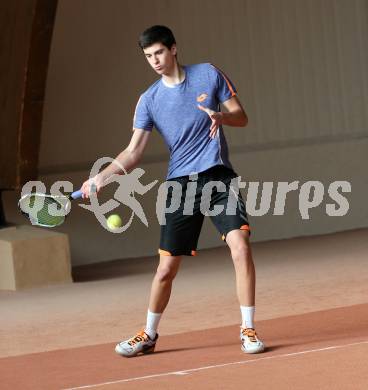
180, 233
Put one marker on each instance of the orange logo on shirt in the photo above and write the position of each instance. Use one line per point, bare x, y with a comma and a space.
202, 97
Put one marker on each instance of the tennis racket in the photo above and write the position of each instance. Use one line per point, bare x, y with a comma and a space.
47, 210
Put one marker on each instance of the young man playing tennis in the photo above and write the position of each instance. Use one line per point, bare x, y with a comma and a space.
183, 105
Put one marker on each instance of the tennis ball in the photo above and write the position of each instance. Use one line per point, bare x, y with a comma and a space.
114, 221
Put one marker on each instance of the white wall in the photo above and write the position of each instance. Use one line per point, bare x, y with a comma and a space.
300, 70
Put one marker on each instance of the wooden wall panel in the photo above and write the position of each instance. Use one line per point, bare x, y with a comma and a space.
25, 36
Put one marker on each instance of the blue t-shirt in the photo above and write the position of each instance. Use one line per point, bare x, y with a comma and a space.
173, 111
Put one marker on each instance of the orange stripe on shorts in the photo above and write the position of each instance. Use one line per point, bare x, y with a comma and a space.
164, 253
245, 227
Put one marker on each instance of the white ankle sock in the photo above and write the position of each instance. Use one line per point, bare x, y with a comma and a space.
247, 313
152, 323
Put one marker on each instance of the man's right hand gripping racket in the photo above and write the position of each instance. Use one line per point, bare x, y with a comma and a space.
46, 210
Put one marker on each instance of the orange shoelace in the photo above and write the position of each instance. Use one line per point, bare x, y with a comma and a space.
250, 333
141, 336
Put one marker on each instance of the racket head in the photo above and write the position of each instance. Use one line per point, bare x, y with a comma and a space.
43, 209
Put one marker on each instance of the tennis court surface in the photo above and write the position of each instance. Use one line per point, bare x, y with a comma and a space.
312, 314
326, 349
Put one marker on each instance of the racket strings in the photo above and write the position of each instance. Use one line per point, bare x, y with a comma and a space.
45, 216
41, 210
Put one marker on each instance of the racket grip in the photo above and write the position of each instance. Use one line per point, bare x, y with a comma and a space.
76, 194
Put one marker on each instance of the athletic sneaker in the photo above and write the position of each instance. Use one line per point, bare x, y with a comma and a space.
140, 343
250, 342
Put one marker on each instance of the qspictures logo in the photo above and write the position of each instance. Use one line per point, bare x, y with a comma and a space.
128, 185
261, 197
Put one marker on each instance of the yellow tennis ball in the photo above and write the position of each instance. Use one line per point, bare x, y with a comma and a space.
114, 221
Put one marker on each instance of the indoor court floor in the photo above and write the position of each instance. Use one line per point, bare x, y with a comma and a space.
311, 311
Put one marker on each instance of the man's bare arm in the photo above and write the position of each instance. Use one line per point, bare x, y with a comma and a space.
236, 115
129, 158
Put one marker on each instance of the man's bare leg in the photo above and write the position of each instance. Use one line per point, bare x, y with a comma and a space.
241, 253
162, 283
145, 342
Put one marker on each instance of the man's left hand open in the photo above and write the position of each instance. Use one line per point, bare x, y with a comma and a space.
216, 118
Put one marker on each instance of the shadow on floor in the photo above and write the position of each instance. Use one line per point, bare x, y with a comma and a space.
114, 269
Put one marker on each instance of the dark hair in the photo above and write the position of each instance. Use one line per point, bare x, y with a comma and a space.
156, 34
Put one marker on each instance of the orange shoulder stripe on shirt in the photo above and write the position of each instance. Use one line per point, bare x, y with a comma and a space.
233, 93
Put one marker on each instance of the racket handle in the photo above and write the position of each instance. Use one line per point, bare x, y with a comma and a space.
76, 194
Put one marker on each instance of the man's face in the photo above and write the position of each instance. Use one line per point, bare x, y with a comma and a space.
161, 58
